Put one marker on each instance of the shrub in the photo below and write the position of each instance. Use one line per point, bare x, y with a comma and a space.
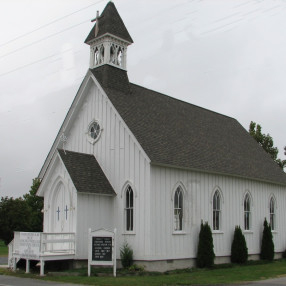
205, 257
136, 268
239, 251
284, 254
267, 245
126, 255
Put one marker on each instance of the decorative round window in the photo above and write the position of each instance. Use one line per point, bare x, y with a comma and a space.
94, 131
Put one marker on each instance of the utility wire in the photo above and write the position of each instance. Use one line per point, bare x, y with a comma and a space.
42, 39
48, 24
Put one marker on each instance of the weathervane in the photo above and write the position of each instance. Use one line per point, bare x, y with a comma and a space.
63, 139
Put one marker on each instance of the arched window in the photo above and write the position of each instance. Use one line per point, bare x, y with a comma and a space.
178, 210
129, 207
272, 213
247, 212
216, 211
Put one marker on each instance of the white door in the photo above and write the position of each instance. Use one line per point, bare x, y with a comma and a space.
61, 209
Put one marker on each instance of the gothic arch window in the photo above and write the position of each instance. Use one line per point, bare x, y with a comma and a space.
217, 210
272, 214
178, 209
129, 209
247, 211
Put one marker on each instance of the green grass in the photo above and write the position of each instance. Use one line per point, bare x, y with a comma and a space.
3, 249
219, 275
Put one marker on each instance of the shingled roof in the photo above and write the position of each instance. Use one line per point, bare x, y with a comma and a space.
179, 134
109, 22
86, 174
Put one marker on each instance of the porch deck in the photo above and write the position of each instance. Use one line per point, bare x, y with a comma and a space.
41, 246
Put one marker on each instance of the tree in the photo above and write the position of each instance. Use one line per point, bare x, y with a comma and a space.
239, 251
14, 216
36, 206
267, 245
21, 214
205, 257
266, 142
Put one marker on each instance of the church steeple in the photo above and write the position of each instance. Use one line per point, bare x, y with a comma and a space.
108, 39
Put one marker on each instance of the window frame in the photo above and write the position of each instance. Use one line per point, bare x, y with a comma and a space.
129, 210
247, 213
272, 213
178, 209
216, 211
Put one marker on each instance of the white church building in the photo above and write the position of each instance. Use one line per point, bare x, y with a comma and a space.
154, 167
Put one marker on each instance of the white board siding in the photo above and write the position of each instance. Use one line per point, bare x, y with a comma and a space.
94, 212
198, 206
122, 160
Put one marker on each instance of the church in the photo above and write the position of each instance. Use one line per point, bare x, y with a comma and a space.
154, 167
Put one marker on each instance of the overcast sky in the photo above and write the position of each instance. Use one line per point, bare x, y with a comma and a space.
224, 55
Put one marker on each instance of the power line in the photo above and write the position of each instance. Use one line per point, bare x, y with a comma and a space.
42, 39
35, 62
48, 24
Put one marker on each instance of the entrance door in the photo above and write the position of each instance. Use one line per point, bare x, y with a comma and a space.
61, 207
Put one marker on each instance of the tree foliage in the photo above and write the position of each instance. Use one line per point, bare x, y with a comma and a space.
266, 142
14, 216
21, 214
205, 257
267, 245
239, 251
36, 205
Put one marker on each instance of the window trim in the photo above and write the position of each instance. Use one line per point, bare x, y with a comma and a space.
127, 189
218, 191
272, 215
180, 207
249, 212
89, 138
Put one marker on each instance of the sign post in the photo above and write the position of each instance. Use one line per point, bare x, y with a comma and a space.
102, 248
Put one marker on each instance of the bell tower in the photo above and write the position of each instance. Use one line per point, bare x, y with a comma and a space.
108, 39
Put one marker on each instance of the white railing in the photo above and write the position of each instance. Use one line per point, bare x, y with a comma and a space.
57, 243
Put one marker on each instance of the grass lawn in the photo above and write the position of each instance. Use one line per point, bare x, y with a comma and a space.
219, 275
3, 249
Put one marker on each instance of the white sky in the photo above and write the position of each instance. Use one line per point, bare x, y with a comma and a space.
225, 55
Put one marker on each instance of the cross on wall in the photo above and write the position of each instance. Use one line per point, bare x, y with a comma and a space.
58, 211
66, 211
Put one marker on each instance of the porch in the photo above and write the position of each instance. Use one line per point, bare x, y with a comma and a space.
41, 246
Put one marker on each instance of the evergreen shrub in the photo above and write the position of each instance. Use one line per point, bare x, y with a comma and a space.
205, 257
267, 245
126, 255
239, 251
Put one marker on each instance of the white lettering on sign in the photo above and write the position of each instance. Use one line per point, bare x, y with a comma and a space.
29, 246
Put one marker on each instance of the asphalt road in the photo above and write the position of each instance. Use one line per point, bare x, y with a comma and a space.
16, 281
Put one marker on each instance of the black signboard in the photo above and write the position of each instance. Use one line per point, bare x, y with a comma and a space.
102, 248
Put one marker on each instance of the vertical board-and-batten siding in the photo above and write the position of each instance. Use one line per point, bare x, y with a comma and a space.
122, 160
200, 187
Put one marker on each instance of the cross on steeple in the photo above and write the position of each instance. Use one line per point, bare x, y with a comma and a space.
58, 211
66, 211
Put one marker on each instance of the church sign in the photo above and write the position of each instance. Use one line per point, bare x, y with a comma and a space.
29, 246
102, 248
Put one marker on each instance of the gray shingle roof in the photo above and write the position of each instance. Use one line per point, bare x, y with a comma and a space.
110, 22
176, 133
86, 174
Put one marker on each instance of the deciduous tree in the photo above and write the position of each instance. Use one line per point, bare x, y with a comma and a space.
266, 142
